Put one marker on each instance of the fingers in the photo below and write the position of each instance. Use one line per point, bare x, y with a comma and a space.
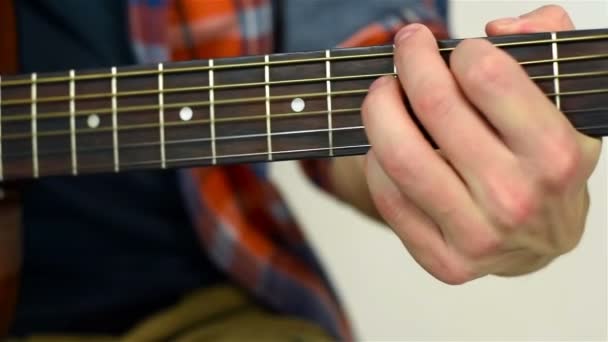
550, 18
495, 199
403, 152
491, 173
417, 231
530, 124
460, 132
418, 171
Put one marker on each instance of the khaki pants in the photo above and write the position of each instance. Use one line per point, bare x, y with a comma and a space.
215, 314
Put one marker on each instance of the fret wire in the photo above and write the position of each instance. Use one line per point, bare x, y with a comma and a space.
297, 61
556, 83
273, 83
115, 121
267, 89
161, 115
256, 117
329, 103
212, 111
73, 123
202, 140
34, 109
1, 165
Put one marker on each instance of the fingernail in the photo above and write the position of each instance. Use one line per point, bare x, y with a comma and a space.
406, 32
379, 82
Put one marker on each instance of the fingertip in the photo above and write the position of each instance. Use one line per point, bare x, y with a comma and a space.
380, 82
413, 34
407, 32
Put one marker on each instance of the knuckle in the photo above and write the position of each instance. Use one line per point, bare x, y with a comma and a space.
456, 275
387, 204
487, 70
513, 205
449, 270
483, 245
565, 156
397, 162
433, 100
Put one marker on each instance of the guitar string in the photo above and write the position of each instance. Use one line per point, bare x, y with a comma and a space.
103, 148
599, 36
583, 129
235, 86
238, 86
106, 166
360, 146
234, 119
250, 100
190, 123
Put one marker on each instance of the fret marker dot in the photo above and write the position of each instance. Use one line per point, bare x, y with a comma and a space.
186, 114
298, 105
93, 121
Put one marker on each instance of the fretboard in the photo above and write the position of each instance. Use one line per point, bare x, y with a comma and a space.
248, 109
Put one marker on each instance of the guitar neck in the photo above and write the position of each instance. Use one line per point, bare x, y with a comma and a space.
248, 109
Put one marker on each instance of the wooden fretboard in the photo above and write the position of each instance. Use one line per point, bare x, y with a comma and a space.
249, 109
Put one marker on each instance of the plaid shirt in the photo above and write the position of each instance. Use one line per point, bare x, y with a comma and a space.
243, 223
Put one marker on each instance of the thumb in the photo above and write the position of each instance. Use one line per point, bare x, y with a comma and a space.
550, 18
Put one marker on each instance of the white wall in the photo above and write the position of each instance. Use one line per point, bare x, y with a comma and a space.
390, 298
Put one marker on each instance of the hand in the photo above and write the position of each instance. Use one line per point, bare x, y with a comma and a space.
507, 194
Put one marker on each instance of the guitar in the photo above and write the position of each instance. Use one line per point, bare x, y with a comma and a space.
248, 109
238, 110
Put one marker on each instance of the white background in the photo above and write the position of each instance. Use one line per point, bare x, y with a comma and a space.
390, 297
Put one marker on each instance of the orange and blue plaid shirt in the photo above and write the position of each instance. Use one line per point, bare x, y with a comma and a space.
243, 223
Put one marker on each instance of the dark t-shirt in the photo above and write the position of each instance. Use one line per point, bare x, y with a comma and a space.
100, 252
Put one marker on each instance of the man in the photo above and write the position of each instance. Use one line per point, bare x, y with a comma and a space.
509, 208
